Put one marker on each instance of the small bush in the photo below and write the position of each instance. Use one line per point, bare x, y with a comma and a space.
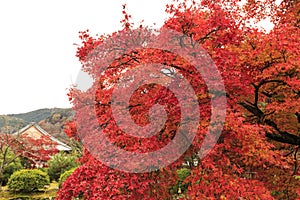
60, 163
182, 173
44, 169
64, 176
27, 180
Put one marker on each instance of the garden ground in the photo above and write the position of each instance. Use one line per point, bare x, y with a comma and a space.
48, 193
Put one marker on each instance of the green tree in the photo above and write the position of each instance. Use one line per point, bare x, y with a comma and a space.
60, 163
13, 164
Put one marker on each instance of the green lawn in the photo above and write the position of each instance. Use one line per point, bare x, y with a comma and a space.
50, 193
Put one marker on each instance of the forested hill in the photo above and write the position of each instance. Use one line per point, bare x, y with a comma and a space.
50, 119
41, 114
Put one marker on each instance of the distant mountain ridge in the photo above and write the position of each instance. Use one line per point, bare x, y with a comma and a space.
40, 114
50, 119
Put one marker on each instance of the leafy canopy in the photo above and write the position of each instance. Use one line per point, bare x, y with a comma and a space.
252, 158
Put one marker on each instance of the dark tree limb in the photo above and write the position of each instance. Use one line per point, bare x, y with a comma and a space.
278, 135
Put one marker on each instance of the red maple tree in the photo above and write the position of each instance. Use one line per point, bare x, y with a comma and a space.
252, 157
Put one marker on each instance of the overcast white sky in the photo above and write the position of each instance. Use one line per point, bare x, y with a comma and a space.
37, 54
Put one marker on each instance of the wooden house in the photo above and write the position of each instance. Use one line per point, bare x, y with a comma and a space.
34, 131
